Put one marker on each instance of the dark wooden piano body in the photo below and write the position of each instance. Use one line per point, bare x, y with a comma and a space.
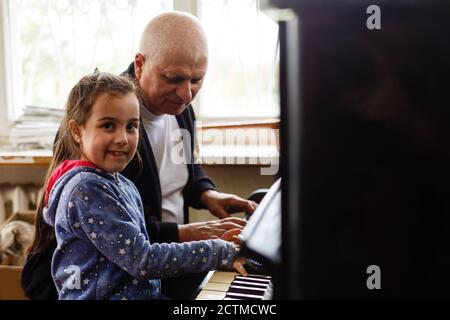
365, 149
365, 152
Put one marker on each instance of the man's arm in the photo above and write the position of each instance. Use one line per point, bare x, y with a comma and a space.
222, 204
201, 183
160, 232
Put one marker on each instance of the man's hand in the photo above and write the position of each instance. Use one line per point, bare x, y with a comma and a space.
210, 229
222, 204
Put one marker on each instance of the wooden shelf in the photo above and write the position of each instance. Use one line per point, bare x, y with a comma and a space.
28, 158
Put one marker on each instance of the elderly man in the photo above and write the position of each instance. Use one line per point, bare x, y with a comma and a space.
169, 71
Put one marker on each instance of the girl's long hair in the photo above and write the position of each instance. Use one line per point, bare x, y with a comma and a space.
78, 108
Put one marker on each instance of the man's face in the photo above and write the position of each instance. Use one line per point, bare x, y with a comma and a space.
173, 83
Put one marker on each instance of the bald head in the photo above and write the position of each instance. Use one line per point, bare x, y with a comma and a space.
172, 33
172, 62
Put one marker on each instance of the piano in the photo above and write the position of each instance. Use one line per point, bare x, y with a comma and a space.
364, 154
223, 285
262, 253
364, 148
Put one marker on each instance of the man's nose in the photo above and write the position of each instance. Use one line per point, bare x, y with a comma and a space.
184, 91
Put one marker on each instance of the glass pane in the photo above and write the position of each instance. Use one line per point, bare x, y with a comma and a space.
242, 77
59, 41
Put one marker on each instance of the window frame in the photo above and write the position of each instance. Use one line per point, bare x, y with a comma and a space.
5, 89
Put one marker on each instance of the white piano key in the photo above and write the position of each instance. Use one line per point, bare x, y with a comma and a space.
211, 295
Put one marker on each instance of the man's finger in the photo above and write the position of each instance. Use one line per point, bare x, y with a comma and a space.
229, 226
251, 206
217, 231
241, 205
228, 235
236, 220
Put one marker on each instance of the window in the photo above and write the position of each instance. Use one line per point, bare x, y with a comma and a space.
52, 43
56, 42
242, 78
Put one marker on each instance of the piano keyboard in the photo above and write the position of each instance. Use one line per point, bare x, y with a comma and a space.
222, 285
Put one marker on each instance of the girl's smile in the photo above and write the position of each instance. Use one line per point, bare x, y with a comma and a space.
110, 135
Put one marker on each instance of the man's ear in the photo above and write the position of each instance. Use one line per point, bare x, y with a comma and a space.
139, 61
75, 131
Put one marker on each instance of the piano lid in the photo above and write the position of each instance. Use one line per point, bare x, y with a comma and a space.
262, 233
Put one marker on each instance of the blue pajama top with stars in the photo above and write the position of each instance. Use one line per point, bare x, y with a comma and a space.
103, 248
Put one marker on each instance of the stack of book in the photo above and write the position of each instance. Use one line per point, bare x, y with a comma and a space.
36, 128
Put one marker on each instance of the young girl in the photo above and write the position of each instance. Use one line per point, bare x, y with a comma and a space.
103, 247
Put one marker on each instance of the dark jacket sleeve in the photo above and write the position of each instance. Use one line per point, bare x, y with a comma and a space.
37, 281
160, 232
201, 183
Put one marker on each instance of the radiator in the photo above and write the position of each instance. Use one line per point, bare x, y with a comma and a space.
15, 198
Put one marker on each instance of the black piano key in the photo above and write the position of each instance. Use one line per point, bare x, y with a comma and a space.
250, 284
256, 276
240, 289
255, 280
243, 296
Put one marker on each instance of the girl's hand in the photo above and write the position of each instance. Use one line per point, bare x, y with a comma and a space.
238, 265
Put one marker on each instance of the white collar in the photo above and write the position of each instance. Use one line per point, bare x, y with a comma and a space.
150, 116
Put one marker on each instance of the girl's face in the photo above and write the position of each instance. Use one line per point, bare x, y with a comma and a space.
110, 135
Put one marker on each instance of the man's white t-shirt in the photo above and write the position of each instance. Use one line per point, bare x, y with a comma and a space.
172, 176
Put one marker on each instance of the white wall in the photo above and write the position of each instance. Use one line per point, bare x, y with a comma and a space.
240, 180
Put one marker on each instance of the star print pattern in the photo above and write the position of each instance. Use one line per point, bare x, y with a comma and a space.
107, 225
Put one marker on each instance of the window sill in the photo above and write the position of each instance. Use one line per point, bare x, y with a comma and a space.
239, 124
210, 156
212, 153
28, 158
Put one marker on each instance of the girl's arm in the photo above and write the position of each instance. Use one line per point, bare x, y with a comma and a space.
96, 214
